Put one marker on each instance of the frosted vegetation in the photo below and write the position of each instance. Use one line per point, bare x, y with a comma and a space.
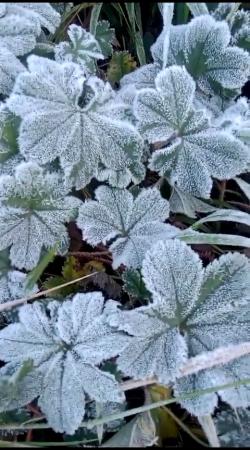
62, 127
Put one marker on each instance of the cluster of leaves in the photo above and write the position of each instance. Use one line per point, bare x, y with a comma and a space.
64, 129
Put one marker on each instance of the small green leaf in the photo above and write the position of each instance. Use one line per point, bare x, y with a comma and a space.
105, 36
134, 284
121, 63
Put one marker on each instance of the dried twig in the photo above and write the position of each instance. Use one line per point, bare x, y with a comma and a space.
13, 303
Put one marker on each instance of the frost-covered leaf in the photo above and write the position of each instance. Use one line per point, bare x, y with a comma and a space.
233, 427
194, 310
17, 385
65, 116
121, 178
21, 24
83, 49
67, 341
167, 14
105, 36
61, 7
182, 202
203, 47
236, 120
12, 287
10, 67
18, 33
239, 22
132, 224
44, 12
222, 10
34, 208
207, 42
192, 151
141, 78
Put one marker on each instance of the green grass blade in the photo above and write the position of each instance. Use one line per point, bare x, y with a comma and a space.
95, 13
35, 274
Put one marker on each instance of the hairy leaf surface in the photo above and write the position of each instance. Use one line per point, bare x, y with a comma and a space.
34, 208
21, 24
67, 341
73, 119
132, 224
194, 310
83, 49
192, 150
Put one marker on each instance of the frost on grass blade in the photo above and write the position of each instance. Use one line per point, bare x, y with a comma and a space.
34, 209
67, 342
193, 150
132, 224
65, 116
83, 49
182, 202
193, 310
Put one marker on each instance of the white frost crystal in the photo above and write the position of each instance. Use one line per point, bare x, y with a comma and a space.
133, 224
67, 341
66, 116
34, 208
192, 150
194, 310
